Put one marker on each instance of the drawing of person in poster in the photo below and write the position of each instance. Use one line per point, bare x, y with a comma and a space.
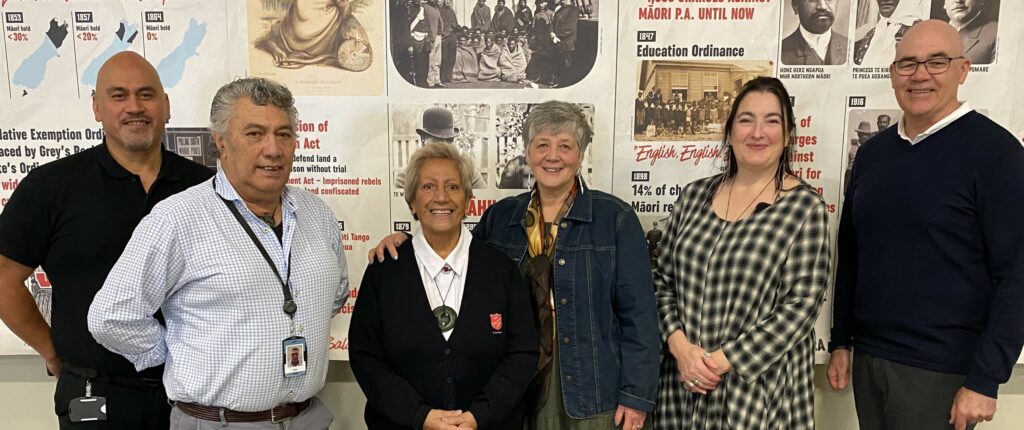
319, 32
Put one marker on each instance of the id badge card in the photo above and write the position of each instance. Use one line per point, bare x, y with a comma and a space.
88, 408
294, 350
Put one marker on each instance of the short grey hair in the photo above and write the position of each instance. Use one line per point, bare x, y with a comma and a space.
556, 117
437, 151
260, 91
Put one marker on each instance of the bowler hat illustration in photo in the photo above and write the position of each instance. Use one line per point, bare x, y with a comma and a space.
438, 123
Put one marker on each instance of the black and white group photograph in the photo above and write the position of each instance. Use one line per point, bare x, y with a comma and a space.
688, 100
493, 43
863, 124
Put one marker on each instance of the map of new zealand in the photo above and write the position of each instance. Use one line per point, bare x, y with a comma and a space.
32, 70
125, 36
172, 67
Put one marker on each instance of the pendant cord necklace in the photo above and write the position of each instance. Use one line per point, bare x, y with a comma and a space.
268, 217
444, 299
444, 314
728, 202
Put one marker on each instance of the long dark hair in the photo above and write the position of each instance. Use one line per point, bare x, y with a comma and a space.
761, 84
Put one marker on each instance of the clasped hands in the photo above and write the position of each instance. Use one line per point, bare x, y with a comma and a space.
699, 370
439, 419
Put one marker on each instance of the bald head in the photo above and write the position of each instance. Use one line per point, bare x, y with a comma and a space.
927, 91
935, 34
122, 61
131, 103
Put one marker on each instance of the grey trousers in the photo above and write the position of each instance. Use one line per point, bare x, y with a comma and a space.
315, 417
893, 396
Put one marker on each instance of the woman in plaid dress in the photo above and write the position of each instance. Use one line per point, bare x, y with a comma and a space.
740, 280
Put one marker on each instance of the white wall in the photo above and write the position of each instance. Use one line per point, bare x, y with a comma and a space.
26, 399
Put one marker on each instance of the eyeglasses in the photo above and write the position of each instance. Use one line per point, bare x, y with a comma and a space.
934, 65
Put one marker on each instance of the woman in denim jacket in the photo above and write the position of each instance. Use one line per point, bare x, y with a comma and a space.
583, 254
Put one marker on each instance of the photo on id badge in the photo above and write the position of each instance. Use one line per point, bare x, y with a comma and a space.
294, 357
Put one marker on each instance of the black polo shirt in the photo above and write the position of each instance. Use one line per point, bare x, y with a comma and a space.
73, 217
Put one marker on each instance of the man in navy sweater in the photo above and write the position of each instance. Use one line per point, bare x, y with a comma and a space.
930, 284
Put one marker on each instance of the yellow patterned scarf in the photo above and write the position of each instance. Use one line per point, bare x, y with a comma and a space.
538, 271
541, 243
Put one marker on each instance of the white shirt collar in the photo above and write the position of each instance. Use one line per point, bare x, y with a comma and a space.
458, 259
434, 278
961, 27
953, 116
818, 42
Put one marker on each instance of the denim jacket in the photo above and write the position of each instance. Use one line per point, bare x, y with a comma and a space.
606, 319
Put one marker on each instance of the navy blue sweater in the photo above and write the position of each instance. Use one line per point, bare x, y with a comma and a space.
931, 252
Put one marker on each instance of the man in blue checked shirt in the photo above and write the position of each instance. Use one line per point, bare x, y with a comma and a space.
245, 269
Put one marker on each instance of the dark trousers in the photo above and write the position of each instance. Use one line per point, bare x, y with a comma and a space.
420, 64
893, 396
541, 68
448, 48
127, 408
567, 73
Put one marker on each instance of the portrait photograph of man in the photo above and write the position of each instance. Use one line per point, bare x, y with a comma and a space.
815, 32
977, 22
880, 26
295, 356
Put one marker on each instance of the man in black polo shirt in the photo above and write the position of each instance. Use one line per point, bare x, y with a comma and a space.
73, 217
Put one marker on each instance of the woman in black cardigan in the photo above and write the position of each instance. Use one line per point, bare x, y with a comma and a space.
445, 339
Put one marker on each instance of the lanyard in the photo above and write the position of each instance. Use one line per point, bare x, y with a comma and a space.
289, 306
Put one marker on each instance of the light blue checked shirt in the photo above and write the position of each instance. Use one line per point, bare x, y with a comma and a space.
222, 303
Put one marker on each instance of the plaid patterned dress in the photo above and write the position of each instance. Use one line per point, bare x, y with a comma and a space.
753, 288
